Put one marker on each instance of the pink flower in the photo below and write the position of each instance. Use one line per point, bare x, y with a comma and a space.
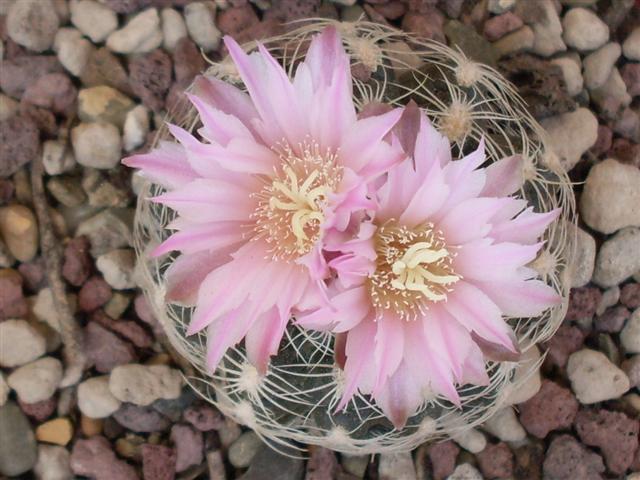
424, 287
274, 171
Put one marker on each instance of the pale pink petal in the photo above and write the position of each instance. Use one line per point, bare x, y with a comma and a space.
315, 263
166, 165
504, 177
346, 310
408, 126
475, 370
326, 57
496, 351
519, 298
469, 220
224, 333
219, 127
428, 198
263, 338
484, 261
202, 236
400, 397
389, 346
359, 366
431, 147
381, 159
526, 228
227, 98
477, 313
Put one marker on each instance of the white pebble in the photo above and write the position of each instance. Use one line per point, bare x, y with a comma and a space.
630, 334
73, 50
57, 157
594, 378
505, 425
618, 258
585, 258
4, 390
54, 463
93, 19
136, 128
173, 28
583, 30
201, 25
471, 440
526, 381
30, 23
96, 145
36, 381
140, 35
465, 471
571, 72
144, 384
571, 134
20, 343
631, 46
95, 399
598, 65
117, 268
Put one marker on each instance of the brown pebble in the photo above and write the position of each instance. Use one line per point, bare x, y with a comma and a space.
58, 431
91, 426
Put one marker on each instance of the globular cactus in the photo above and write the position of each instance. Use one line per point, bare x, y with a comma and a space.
296, 400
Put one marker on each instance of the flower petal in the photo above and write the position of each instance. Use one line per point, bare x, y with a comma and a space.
227, 98
263, 338
526, 228
202, 237
358, 369
504, 177
484, 261
519, 298
400, 397
389, 345
166, 165
219, 127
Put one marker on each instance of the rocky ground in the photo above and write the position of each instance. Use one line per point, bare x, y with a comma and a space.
84, 82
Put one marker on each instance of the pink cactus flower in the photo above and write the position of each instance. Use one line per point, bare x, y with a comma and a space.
272, 172
424, 286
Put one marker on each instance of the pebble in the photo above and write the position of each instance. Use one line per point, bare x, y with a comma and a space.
12, 301
118, 304
392, 466
94, 458
571, 72
497, 27
73, 50
141, 419
443, 458
567, 459
39, 411
189, 446
618, 258
96, 145
30, 23
322, 463
66, 191
93, 19
111, 228
18, 73
20, 343
18, 448
520, 40
614, 433
552, 408
630, 295
140, 35
611, 197
496, 461
584, 260
125, 328
158, 462
244, 449
630, 366
53, 463
53, 91
465, 471
93, 294
136, 128
268, 463
571, 134
44, 309
630, 334
583, 30
201, 25
104, 68
4, 390
631, 45
57, 157
150, 78
500, 6
505, 425
471, 440
106, 350
19, 143
547, 29
117, 267
612, 95
173, 28
36, 381
19, 230
95, 399
599, 64
58, 431
612, 320
204, 417
142, 385
103, 104
355, 465
8, 107
594, 378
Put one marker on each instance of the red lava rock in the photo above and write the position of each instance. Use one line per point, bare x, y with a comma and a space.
104, 68
627, 124
603, 142
17, 74
39, 411
630, 295
496, 461
613, 432
625, 151
6, 191
77, 264
426, 25
44, 119
443, 459
12, 302
204, 417
289, 10
322, 464
141, 419
33, 274
583, 302
94, 294
552, 408
233, 20
567, 459
94, 458
187, 62
631, 76
567, 340
125, 328
632, 368
612, 320
497, 27
53, 91
528, 461
19, 143
105, 350
189, 446
392, 10
150, 78
158, 462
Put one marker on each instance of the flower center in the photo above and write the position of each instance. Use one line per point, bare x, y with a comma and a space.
413, 269
290, 212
